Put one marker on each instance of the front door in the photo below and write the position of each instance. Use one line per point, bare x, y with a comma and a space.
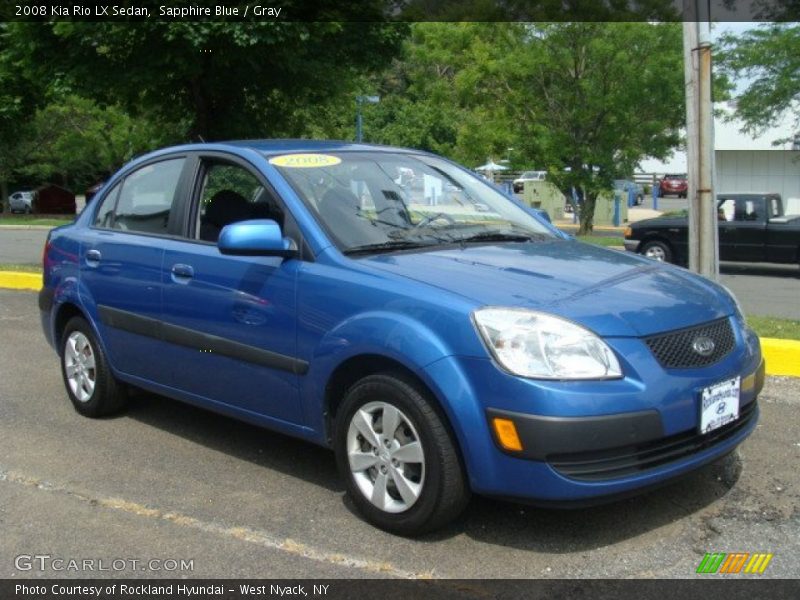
231, 319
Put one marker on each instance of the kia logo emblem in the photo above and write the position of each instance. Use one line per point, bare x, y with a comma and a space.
703, 345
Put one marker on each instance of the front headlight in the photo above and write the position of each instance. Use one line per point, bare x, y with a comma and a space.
542, 346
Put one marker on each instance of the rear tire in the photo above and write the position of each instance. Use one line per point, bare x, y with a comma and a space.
408, 480
91, 387
657, 250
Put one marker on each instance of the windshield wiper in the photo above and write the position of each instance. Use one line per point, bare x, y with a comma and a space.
500, 236
389, 246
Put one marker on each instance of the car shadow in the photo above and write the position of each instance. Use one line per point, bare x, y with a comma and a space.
564, 531
265, 448
760, 269
486, 520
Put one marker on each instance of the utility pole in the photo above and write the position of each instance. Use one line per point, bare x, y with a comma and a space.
703, 233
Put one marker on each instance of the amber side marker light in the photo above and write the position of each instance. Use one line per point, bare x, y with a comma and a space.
507, 434
628, 232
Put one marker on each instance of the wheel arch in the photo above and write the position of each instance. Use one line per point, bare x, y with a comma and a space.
65, 311
356, 368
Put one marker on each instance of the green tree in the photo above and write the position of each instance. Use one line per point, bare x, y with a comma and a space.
18, 99
75, 142
770, 58
592, 99
586, 101
229, 79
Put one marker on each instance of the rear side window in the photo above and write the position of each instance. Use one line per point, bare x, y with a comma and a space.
147, 197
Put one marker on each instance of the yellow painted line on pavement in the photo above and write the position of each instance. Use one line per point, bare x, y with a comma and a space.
20, 281
782, 356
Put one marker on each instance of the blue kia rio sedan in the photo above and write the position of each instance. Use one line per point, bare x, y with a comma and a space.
441, 338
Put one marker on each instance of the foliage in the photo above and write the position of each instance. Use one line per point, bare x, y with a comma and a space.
17, 101
565, 97
606, 241
229, 79
770, 57
76, 142
585, 101
773, 327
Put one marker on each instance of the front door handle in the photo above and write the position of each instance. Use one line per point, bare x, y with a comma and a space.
93, 257
182, 273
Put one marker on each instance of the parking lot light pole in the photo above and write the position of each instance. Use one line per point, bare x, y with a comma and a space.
359, 120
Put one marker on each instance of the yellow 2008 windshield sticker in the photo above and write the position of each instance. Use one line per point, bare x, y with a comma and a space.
304, 161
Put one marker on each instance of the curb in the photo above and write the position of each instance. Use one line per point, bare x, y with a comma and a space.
782, 357
17, 280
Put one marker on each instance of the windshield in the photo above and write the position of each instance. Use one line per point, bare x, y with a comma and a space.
382, 201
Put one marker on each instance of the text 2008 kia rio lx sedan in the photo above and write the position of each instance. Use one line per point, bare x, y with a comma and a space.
441, 338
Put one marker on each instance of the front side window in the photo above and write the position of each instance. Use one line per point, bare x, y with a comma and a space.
370, 201
147, 196
231, 193
105, 214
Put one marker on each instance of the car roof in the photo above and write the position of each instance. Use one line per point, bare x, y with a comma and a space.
273, 146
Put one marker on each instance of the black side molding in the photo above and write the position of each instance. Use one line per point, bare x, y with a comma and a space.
543, 436
198, 340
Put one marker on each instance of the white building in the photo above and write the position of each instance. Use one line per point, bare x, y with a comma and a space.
746, 164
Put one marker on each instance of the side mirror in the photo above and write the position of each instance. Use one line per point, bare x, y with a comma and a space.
257, 237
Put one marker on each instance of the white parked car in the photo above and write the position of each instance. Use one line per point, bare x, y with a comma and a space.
519, 182
21, 202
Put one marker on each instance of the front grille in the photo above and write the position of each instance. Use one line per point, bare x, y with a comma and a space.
674, 349
626, 460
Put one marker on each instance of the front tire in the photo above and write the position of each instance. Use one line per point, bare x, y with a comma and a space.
657, 250
400, 464
91, 386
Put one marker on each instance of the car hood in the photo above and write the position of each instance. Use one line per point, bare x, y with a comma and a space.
660, 222
610, 292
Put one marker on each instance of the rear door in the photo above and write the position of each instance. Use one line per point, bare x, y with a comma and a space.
231, 320
120, 264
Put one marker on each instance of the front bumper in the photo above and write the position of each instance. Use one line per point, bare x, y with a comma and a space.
586, 441
631, 245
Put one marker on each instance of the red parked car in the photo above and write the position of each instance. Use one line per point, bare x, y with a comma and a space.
675, 185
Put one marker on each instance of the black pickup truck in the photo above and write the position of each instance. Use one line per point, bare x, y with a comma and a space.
752, 228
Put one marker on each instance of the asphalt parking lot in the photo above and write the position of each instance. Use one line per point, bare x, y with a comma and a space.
166, 481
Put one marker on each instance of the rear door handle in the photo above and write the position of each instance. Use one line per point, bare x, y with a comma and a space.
93, 257
182, 273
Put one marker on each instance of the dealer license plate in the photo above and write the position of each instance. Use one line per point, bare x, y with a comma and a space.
719, 404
